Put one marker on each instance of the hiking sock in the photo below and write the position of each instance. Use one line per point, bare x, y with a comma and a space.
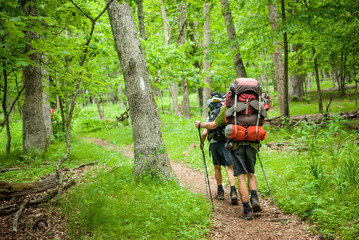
246, 207
254, 194
220, 188
233, 189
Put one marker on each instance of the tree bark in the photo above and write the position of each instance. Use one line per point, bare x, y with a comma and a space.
34, 131
285, 77
172, 85
182, 40
166, 28
141, 19
149, 150
278, 60
298, 77
46, 108
206, 62
320, 103
237, 59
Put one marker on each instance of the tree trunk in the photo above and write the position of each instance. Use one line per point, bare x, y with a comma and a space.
5, 111
285, 77
298, 78
237, 59
34, 131
174, 93
278, 60
200, 96
166, 28
172, 85
182, 40
149, 150
316, 72
141, 20
46, 108
206, 62
100, 112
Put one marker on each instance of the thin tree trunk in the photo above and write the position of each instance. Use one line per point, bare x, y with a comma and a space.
149, 150
278, 60
298, 78
172, 85
100, 112
182, 40
5, 111
141, 20
285, 77
166, 28
237, 59
206, 62
46, 108
316, 72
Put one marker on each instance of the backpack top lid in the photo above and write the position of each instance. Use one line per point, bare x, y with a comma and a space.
241, 85
216, 101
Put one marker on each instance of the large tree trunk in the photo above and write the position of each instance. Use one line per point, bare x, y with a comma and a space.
141, 20
206, 62
181, 41
34, 131
150, 152
237, 59
298, 78
278, 61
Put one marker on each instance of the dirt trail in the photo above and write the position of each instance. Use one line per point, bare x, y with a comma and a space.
227, 221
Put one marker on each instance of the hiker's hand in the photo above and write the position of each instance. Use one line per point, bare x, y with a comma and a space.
197, 123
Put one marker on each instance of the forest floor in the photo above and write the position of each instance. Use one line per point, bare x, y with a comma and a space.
47, 222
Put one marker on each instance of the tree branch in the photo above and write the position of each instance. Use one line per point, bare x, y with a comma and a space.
86, 15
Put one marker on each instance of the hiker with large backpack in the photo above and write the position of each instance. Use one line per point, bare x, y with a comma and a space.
220, 156
244, 113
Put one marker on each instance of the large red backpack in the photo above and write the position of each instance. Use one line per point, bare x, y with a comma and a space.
247, 107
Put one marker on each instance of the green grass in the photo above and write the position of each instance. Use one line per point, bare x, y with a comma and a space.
320, 183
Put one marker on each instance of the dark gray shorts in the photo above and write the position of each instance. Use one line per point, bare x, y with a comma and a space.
220, 155
244, 159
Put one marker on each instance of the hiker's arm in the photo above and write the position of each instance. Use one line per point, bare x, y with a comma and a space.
203, 137
207, 125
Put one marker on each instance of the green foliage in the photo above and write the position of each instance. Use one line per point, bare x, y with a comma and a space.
318, 182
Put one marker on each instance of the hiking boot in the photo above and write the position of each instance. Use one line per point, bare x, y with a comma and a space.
234, 198
219, 196
255, 205
248, 216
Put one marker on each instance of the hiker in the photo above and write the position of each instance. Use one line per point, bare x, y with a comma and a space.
244, 116
220, 156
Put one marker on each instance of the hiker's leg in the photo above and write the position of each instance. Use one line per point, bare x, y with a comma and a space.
230, 173
252, 182
232, 181
242, 188
218, 174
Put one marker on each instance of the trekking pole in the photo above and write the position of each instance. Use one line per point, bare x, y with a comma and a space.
276, 210
206, 179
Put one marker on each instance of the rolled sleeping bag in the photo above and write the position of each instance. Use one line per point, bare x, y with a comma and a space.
244, 134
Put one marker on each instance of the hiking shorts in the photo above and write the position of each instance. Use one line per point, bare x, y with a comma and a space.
244, 159
220, 155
